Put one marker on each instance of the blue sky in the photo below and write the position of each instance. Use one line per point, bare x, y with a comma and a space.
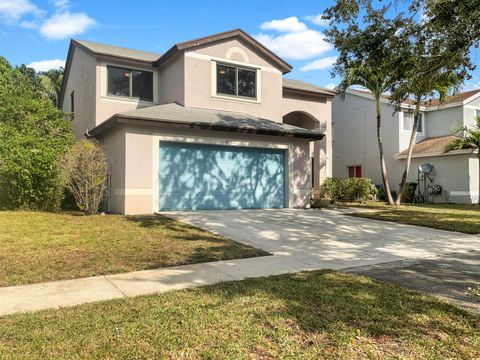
37, 32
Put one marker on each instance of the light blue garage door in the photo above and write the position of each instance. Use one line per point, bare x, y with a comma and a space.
196, 176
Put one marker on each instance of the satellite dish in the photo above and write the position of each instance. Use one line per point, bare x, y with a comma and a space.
426, 168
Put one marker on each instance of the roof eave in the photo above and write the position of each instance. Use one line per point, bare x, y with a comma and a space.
311, 92
132, 120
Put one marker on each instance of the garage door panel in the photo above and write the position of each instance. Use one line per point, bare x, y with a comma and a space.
196, 176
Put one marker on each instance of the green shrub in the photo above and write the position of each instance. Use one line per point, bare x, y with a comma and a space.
33, 135
347, 190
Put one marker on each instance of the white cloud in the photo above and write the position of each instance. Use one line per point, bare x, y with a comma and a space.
45, 65
317, 20
65, 25
320, 64
331, 86
29, 24
13, 10
471, 86
296, 45
291, 24
61, 4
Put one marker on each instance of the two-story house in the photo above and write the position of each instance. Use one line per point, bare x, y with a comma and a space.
355, 146
210, 124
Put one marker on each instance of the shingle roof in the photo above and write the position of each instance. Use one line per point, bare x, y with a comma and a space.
174, 113
304, 86
457, 98
118, 51
431, 145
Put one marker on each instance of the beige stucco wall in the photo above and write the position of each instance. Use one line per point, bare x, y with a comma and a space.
107, 105
82, 80
139, 194
114, 143
321, 110
171, 81
200, 86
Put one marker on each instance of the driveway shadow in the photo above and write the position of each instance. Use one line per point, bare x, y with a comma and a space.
447, 276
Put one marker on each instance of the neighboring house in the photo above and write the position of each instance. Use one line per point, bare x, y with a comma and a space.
355, 146
210, 124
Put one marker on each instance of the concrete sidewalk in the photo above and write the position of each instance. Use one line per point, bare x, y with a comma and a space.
58, 294
298, 239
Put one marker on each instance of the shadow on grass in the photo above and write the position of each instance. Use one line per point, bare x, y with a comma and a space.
464, 223
211, 247
336, 303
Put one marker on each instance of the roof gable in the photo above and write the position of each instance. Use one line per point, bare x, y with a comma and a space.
237, 33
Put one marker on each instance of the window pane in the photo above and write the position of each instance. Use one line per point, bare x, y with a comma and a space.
358, 171
407, 121
477, 112
118, 81
351, 171
142, 85
247, 83
226, 80
420, 123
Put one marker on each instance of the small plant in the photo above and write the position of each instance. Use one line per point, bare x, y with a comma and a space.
319, 203
84, 170
347, 190
475, 291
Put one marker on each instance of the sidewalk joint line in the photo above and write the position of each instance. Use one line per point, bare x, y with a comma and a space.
115, 286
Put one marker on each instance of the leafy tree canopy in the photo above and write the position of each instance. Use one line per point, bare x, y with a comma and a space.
33, 135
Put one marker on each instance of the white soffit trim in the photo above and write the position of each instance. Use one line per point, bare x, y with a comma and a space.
422, 108
433, 154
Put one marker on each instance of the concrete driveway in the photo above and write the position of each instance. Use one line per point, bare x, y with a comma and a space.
329, 238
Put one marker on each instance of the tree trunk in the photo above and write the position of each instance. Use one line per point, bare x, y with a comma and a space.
383, 168
413, 136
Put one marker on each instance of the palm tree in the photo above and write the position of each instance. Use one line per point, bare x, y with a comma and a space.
468, 138
52, 82
369, 56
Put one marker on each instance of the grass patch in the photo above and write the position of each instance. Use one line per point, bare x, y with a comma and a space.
461, 218
37, 246
309, 315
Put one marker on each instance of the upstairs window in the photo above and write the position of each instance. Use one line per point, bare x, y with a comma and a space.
130, 83
408, 122
236, 81
477, 112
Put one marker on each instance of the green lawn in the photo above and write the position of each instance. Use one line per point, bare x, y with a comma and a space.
37, 246
462, 218
309, 315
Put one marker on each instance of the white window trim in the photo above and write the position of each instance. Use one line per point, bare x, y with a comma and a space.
405, 131
104, 84
233, 98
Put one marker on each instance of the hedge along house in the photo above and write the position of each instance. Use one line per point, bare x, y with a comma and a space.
210, 124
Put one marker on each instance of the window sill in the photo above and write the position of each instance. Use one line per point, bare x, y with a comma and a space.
129, 100
236, 99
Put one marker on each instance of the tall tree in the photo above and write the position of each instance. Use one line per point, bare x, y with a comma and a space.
52, 82
368, 56
430, 69
468, 138
33, 135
